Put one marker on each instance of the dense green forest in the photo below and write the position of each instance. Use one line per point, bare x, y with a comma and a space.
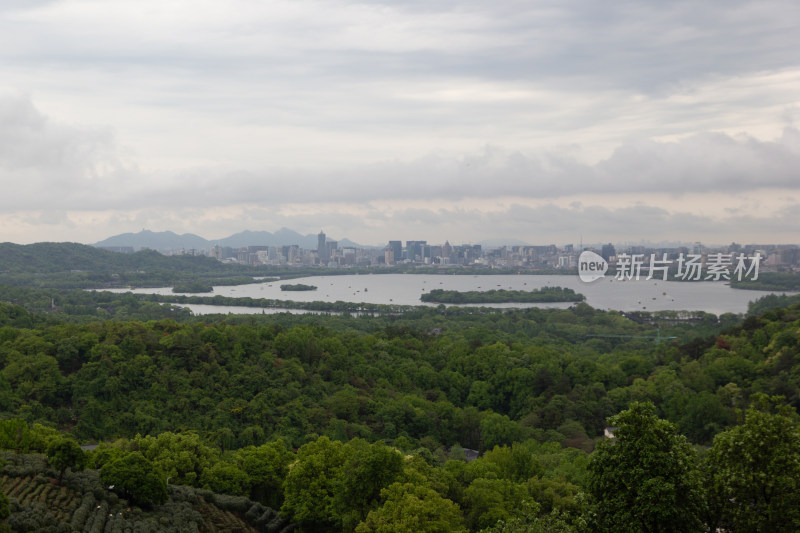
545, 294
71, 265
429, 419
429, 384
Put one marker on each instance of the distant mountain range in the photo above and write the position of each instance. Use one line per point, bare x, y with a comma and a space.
168, 240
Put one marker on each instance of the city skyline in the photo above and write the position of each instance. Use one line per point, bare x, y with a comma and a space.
249, 237
318, 251
453, 120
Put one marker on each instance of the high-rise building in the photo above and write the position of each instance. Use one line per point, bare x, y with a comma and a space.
322, 248
447, 250
397, 249
608, 251
414, 250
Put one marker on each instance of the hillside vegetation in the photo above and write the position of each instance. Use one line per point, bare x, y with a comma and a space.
81, 502
72, 265
373, 423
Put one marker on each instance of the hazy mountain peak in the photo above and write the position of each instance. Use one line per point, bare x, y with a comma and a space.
169, 240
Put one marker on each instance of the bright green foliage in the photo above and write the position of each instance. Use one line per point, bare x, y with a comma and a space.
34, 375
497, 429
266, 466
366, 471
754, 471
103, 454
424, 378
532, 521
133, 476
556, 494
410, 508
334, 485
516, 463
646, 478
490, 500
225, 478
310, 487
182, 457
488, 378
15, 435
65, 453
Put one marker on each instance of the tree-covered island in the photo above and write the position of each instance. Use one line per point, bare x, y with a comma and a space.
298, 287
545, 294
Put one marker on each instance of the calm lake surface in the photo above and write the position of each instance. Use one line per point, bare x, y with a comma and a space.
405, 289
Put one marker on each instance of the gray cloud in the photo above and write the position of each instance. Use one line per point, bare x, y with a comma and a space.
700, 163
160, 110
646, 44
56, 166
45, 164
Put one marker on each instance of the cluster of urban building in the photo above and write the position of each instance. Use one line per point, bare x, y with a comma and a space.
546, 257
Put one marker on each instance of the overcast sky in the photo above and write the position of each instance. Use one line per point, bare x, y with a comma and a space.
543, 121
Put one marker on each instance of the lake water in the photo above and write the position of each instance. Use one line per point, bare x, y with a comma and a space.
405, 289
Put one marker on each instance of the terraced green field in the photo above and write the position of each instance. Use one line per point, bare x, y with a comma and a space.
81, 503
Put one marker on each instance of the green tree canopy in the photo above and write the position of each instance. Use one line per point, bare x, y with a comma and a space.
410, 508
310, 487
183, 457
267, 466
136, 478
367, 470
754, 471
334, 485
65, 453
645, 479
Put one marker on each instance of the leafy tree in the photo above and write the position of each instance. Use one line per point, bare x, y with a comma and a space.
103, 454
310, 487
136, 478
488, 500
556, 495
65, 453
226, 478
705, 416
497, 429
15, 435
181, 456
366, 471
754, 471
267, 466
645, 479
335, 485
411, 508
532, 521
516, 463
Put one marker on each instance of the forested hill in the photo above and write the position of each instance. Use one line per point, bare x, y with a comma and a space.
478, 379
355, 423
77, 265
49, 257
